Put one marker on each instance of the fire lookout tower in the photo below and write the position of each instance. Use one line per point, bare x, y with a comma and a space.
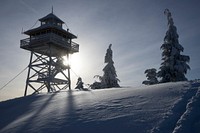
48, 43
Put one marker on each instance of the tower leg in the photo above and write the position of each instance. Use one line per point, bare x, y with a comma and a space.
49, 72
27, 80
69, 73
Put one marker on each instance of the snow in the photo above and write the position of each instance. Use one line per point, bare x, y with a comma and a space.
163, 108
191, 117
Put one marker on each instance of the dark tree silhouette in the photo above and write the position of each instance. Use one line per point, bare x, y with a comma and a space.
174, 65
151, 77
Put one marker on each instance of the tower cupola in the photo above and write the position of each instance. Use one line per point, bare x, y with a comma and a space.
52, 20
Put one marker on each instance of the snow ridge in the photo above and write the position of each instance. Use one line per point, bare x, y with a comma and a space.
190, 120
181, 114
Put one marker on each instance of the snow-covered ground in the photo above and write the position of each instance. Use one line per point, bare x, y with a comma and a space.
163, 108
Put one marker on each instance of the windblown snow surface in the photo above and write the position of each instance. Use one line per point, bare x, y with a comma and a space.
162, 108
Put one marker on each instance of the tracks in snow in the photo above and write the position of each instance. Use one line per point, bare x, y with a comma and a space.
181, 117
187, 123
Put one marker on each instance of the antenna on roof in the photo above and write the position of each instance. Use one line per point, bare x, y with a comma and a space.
52, 10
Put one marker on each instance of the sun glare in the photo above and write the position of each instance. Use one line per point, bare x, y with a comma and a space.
74, 62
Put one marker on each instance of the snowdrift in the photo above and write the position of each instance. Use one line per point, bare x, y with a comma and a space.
163, 108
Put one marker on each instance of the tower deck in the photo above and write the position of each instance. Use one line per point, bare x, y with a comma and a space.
41, 44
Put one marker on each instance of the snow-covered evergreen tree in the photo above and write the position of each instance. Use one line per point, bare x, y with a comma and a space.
174, 65
109, 78
151, 77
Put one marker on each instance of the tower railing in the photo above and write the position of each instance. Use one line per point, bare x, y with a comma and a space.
52, 37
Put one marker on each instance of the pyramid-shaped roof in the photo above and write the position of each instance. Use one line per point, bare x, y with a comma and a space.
51, 16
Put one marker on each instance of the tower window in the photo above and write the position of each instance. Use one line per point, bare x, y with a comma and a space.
43, 23
59, 24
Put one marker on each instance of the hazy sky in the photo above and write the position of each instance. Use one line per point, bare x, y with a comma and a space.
136, 29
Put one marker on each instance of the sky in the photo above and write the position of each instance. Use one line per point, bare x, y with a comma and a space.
135, 28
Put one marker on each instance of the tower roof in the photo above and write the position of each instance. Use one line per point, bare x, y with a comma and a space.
51, 16
31, 31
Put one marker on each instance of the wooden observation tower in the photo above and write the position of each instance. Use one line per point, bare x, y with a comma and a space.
48, 43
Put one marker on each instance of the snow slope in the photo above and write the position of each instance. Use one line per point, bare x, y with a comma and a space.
163, 108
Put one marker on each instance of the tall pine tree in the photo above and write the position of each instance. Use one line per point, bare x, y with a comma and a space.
109, 78
174, 65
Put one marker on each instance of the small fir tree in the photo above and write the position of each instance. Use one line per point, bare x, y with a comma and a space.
151, 77
174, 65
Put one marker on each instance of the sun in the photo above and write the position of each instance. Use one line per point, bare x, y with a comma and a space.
74, 61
